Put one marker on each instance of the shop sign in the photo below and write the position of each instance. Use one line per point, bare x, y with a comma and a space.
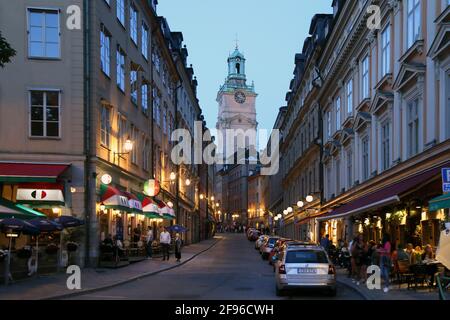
446, 180
40, 195
135, 204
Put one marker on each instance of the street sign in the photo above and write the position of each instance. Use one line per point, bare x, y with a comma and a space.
446, 180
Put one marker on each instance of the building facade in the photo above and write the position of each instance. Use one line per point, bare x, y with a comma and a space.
96, 107
383, 99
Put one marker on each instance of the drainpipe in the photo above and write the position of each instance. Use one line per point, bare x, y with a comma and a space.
87, 130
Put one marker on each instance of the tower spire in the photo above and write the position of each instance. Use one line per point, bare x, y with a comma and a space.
237, 42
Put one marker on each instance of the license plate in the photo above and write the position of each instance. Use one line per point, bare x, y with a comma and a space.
307, 270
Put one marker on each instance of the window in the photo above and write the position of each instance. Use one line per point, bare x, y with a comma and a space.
156, 60
385, 145
328, 124
156, 106
329, 182
105, 125
350, 96
413, 21
144, 93
43, 33
365, 78
165, 118
133, 23
120, 70
134, 86
386, 51
105, 42
121, 11
365, 158
413, 127
144, 48
338, 113
349, 169
338, 176
122, 122
44, 115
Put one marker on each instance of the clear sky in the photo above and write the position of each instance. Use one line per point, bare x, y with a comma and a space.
269, 34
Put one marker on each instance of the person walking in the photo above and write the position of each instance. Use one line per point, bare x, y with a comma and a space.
325, 242
164, 240
178, 244
385, 260
149, 241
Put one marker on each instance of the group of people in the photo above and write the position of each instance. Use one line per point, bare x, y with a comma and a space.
384, 254
165, 241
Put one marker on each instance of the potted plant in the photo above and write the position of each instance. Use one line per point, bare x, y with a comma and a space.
71, 246
24, 253
51, 249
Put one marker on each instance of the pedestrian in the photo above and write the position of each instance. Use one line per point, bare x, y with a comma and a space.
385, 260
137, 235
352, 265
359, 257
325, 242
164, 240
178, 243
149, 241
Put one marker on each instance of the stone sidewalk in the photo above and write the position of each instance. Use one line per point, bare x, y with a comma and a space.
94, 279
395, 292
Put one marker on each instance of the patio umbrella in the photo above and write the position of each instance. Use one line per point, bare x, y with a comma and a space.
13, 225
66, 222
44, 225
177, 228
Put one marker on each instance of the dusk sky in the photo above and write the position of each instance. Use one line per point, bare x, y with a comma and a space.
269, 34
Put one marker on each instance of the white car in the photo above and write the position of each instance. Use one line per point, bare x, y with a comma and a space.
304, 266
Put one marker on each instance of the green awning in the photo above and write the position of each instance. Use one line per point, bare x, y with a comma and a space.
441, 202
9, 209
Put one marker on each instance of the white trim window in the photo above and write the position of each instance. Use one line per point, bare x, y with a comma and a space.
133, 24
328, 119
133, 86
329, 190
365, 158
156, 106
349, 169
349, 92
144, 92
413, 21
338, 113
338, 176
365, 78
144, 40
156, 60
122, 123
413, 127
43, 33
120, 69
105, 51
120, 11
386, 51
146, 154
386, 145
134, 138
105, 125
45, 113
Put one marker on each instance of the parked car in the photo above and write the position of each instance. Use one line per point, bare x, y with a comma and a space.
267, 247
260, 241
304, 266
254, 235
278, 245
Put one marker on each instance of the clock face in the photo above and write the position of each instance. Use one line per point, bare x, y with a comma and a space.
240, 97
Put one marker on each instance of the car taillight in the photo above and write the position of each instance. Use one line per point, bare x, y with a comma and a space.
282, 269
331, 269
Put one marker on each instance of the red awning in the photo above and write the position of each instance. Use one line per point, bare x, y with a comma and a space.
385, 196
31, 172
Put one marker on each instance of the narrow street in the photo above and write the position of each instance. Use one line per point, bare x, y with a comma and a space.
232, 269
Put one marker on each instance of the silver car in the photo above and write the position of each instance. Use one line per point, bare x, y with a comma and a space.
304, 266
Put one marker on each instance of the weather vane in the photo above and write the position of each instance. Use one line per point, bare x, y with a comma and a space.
237, 40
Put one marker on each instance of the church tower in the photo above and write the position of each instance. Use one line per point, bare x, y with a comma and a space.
236, 99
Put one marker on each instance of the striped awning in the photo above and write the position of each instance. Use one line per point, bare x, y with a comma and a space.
149, 207
134, 203
113, 198
31, 172
164, 210
10, 209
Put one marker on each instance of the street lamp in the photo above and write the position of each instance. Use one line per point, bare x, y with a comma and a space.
172, 176
170, 204
202, 196
300, 204
188, 182
285, 212
289, 209
309, 199
127, 147
279, 216
212, 198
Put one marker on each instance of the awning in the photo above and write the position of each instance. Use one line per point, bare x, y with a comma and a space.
383, 197
31, 172
113, 198
133, 202
9, 209
149, 207
164, 210
441, 202
41, 194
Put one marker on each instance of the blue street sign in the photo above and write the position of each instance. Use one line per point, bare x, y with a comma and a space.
446, 180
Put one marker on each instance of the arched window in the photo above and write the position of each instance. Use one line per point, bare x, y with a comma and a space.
238, 68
